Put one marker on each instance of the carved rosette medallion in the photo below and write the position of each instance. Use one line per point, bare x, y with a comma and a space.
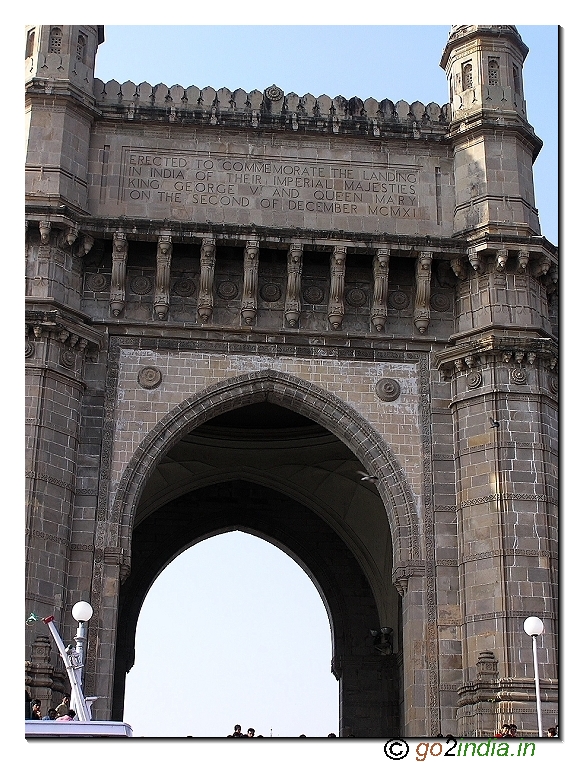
184, 287
356, 297
270, 292
141, 285
313, 295
227, 290
518, 376
149, 378
554, 384
274, 93
97, 282
474, 379
398, 300
387, 389
440, 302
67, 358
29, 349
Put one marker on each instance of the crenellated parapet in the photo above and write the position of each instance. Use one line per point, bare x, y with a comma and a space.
269, 108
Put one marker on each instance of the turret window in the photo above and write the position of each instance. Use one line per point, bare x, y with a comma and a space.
55, 40
493, 71
81, 47
516, 79
467, 76
29, 43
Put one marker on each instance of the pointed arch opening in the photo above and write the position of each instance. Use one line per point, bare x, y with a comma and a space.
246, 639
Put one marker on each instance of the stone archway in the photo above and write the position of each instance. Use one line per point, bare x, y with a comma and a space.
368, 449
305, 398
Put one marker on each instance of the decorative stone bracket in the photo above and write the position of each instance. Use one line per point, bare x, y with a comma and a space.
402, 573
489, 257
250, 281
68, 234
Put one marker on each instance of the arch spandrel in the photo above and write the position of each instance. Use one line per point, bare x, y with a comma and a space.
298, 395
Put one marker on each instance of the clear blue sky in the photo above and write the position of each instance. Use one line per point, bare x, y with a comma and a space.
253, 627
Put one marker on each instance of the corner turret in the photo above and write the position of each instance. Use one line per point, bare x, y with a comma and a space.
494, 145
62, 56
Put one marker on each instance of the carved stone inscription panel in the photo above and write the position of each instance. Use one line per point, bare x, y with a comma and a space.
327, 190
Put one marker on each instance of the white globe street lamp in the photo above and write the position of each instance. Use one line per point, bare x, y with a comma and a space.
82, 612
73, 658
534, 627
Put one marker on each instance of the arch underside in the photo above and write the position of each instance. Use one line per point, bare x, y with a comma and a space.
302, 397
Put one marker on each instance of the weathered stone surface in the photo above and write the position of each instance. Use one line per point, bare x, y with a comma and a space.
251, 300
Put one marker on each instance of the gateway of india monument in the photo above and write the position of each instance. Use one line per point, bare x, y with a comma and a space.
238, 301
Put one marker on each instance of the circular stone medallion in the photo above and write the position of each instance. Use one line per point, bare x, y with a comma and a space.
97, 282
274, 93
356, 297
518, 376
440, 302
184, 287
474, 379
67, 358
399, 300
141, 285
270, 292
314, 295
387, 389
227, 290
149, 378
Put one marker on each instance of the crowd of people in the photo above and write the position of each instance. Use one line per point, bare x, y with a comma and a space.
509, 730
237, 733
61, 713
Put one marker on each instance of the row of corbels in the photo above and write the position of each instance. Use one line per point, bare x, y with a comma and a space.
62, 335
518, 357
71, 236
477, 261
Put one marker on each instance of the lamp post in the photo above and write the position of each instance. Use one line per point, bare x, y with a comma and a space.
82, 612
534, 627
73, 658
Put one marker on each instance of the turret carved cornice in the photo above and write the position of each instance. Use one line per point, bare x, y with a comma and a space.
59, 324
486, 257
519, 352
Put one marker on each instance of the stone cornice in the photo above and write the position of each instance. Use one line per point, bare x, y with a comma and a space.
498, 346
62, 324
